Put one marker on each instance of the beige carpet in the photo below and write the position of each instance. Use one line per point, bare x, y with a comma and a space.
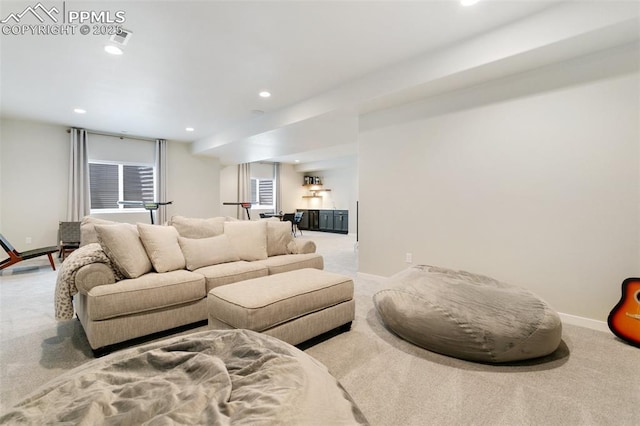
593, 379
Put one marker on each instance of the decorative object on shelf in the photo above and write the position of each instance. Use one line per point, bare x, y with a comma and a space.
312, 180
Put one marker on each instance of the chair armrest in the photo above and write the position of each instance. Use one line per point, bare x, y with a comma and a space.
92, 275
305, 246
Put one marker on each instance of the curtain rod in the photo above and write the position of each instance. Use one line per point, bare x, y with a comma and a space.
115, 135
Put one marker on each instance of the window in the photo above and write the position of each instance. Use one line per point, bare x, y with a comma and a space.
113, 182
262, 193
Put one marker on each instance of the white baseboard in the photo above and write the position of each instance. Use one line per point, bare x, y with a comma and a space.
584, 322
370, 276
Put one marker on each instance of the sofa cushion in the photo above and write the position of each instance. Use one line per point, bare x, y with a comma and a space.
248, 238
200, 252
88, 232
189, 227
229, 273
291, 262
161, 245
279, 237
122, 245
149, 292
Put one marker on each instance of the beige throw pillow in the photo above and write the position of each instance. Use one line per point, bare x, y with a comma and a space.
278, 237
248, 238
190, 227
122, 245
88, 232
201, 252
161, 245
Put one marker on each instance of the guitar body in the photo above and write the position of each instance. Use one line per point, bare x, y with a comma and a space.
624, 319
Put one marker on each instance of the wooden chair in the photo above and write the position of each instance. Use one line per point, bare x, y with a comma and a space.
15, 256
297, 218
288, 217
68, 238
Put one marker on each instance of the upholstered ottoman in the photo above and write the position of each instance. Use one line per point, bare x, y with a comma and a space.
292, 306
468, 316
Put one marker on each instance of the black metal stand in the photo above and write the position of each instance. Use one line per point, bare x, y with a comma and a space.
246, 206
147, 206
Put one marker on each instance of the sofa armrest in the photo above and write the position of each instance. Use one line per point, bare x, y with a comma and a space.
92, 275
305, 246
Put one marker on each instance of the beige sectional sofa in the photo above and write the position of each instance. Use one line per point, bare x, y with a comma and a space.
158, 277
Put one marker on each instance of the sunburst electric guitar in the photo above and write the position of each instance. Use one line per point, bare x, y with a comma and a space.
624, 319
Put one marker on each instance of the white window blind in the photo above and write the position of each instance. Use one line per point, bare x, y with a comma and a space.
110, 183
137, 183
120, 169
262, 192
104, 185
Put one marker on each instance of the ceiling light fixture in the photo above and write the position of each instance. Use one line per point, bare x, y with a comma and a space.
113, 50
79, 111
468, 2
265, 94
189, 129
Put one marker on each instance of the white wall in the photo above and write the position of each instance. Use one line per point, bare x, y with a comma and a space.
34, 160
291, 187
193, 183
533, 180
229, 190
34, 182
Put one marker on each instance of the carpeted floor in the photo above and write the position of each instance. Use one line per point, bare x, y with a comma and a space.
592, 379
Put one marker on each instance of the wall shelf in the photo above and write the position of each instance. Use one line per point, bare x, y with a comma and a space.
314, 190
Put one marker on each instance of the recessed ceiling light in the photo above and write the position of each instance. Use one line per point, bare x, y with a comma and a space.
296, 161
113, 50
264, 94
189, 129
79, 111
468, 2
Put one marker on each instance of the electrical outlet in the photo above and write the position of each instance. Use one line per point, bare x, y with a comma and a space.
408, 258
28, 241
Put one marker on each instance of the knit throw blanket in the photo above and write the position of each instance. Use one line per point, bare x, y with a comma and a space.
66, 281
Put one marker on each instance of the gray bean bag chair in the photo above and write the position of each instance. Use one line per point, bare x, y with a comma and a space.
468, 316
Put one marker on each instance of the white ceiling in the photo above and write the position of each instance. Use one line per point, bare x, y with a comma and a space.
201, 64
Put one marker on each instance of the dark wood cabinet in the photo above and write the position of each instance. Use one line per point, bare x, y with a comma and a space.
325, 220
341, 221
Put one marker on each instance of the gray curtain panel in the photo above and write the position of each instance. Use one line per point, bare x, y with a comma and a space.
277, 186
161, 180
78, 198
244, 187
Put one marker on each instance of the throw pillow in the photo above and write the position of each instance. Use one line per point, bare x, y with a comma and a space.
161, 245
201, 252
122, 245
248, 238
88, 233
278, 237
189, 227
